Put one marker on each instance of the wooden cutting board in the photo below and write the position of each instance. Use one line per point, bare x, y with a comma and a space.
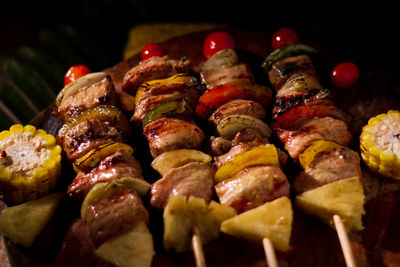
65, 240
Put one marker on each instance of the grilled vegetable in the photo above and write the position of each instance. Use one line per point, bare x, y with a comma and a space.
177, 78
176, 158
170, 108
83, 81
217, 41
263, 154
380, 144
182, 215
272, 220
104, 190
23, 223
75, 72
104, 112
30, 163
231, 125
92, 158
308, 155
221, 59
131, 249
240, 89
345, 198
285, 52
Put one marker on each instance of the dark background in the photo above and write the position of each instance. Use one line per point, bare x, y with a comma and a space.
365, 32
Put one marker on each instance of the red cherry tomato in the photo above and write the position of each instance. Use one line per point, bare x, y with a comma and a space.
152, 50
75, 72
217, 41
283, 37
345, 74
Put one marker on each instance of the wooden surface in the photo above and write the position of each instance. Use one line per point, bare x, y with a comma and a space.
65, 241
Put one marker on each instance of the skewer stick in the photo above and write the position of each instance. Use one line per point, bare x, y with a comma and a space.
270, 253
344, 241
198, 248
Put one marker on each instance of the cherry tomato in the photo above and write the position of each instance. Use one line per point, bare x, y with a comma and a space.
283, 37
75, 72
152, 50
345, 74
217, 41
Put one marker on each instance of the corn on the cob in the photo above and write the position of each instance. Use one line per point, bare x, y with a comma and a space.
30, 163
380, 144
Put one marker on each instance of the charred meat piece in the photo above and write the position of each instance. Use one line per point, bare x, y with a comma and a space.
167, 134
192, 179
298, 137
329, 167
218, 145
238, 107
253, 187
118, 165
87, 135
100, 93
146, 104
115, 215
282, 70
152, 69
216, 77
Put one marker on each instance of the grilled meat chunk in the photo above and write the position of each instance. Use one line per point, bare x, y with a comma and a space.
192, 179
218, 145
146, 104
238, 107
100, 93
282, 70
152, 69
298, 137
115, 215
167, 134
216, 77
117, 165
253, 187
329, 167
87, 135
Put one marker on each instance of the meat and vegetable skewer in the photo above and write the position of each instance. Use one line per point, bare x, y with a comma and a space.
109, 179
249, 176
315, 134
165, 96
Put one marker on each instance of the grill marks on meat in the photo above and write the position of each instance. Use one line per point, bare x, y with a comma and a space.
166, 134
298, 138
152, 69
101, 93
329, 167
192, 179
238, 107
217, 77
253, 187
87, 135
117, 165
115, 215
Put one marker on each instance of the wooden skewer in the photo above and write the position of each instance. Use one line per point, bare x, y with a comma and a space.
198, 248
344, 241
270, 253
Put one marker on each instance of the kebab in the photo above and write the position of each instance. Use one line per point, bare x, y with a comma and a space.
109, 179
315, 134
165, 96
249, 176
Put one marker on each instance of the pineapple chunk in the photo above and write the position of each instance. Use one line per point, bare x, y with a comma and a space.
273, 220
104, 190
23, 223
175, 158
345, 198
182, 215
131, 249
